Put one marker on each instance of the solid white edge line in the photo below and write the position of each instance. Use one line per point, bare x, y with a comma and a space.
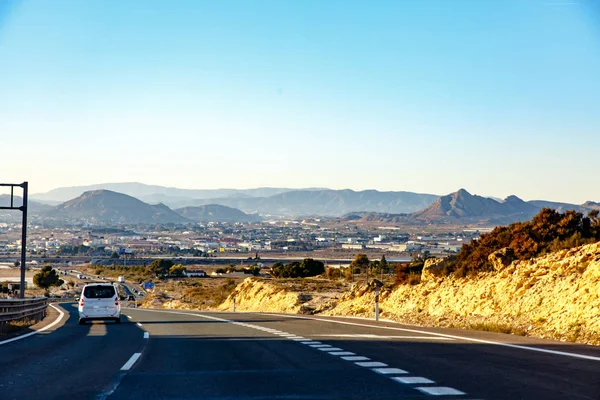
512, 346
127, 366
60, 317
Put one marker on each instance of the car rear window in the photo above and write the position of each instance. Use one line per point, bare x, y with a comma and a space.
99, 292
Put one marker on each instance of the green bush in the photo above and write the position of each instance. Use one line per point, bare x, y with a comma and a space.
308, 267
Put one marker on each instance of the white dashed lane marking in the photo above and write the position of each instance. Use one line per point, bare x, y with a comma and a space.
342, 353
138, 324
390, 371
440, 391
330, 349
370, 364
146, 335
356, 358
361, 361
411, 380
127, 366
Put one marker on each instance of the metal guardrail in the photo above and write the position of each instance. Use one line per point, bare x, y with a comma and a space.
15, 310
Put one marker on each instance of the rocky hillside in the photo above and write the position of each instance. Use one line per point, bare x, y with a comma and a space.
555, 296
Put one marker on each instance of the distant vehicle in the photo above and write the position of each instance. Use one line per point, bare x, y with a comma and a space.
99, 301
121, 279
80, 276
131, 298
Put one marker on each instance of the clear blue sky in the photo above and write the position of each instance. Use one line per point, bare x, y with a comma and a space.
499, 97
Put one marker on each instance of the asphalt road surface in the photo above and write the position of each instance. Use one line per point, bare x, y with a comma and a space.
172, 354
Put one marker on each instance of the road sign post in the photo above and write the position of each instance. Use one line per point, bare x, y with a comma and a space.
23, 209
377, 304
377, 285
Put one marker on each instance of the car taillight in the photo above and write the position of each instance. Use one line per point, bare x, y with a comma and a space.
81, 303
116, 302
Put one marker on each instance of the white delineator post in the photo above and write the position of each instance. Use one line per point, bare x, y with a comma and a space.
233, 303
377, 304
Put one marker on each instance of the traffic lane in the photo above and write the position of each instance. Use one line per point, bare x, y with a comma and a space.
480, 369
127, 290
89, 355
191, 356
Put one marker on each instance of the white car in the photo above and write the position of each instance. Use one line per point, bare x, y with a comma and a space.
99, 301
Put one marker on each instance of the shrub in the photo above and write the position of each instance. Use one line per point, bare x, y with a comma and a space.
333, 273
47, 277
308, 267
548, 231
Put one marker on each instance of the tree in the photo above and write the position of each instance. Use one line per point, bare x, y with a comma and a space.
308, 267
383, 264
114, 255
311, 267
177, 270
47, 277
360, 262
160, 266
17, 264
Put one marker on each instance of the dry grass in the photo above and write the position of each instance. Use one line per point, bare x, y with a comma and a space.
311, 285
203, 294
497, 327
15, 326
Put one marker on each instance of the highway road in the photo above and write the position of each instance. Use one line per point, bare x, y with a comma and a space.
173, 354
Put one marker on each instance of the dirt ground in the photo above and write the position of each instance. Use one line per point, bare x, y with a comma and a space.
15, 273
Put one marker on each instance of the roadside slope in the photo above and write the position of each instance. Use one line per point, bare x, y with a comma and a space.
555, 296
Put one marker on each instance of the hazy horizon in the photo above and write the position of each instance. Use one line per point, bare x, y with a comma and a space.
429, 96
34, 193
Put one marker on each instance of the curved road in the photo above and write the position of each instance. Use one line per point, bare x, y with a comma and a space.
172, 354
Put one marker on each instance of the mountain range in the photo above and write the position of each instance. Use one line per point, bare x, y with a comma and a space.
462, 207
110, 207
216, 213
266, 201
171, 196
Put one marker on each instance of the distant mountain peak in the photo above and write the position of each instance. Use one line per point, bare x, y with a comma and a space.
513, 199
104, 206
462, 205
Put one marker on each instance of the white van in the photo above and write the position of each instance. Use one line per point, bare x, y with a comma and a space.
99, 301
